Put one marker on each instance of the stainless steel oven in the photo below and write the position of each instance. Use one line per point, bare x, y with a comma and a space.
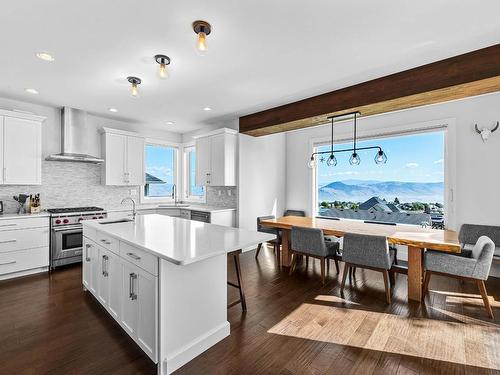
66, 234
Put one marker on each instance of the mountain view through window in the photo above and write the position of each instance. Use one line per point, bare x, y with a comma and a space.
408, 189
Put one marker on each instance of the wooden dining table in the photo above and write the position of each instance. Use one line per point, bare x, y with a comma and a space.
415, 237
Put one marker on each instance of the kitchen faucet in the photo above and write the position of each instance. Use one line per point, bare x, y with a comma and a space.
133, 204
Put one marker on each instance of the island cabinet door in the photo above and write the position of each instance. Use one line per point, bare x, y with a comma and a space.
103, 276
90, 266
114, 269
129, 311
147, 317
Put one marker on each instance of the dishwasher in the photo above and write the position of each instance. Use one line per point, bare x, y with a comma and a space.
200, 216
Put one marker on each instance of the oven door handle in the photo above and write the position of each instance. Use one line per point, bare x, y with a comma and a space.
75, 229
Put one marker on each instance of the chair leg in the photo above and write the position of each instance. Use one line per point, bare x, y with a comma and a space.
277, 250
354, 271
392, 278
322, 262
427, 280
307, 262
327, 260
387, 288
292, 264
337, 266
259, 247
482, 290
344, 276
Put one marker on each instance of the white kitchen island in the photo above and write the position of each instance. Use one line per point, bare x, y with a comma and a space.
164, 280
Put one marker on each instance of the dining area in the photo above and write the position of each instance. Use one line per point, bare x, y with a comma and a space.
466, 255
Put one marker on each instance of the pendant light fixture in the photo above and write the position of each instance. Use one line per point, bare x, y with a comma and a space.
331, 160
163, 61
202, 29
134, 88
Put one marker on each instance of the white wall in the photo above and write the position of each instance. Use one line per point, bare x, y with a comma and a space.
262, 176
477, 173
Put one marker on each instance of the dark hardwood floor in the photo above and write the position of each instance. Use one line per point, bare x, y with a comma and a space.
293, 325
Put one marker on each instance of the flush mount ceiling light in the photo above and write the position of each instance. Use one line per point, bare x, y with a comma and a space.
45, 56
114, 110
134, 88
163, 61
207, 109
331, 160
170, 122
31, 91
202, 29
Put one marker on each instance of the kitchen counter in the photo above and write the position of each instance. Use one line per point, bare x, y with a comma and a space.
177, 240
23, 216
189, 207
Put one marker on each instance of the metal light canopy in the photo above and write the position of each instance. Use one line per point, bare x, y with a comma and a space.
331, 161
163, 60
134, 88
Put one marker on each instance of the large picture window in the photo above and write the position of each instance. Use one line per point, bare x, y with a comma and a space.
161, 172
192, 191
408, 189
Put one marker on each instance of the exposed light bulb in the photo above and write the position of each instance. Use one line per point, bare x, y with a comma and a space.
201, 43
332, 161
312, 163
380, 157
134, 90
163, 72
354, 160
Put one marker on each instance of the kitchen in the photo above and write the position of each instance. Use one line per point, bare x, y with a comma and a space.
180, 187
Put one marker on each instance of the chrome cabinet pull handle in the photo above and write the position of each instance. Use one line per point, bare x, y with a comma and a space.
8, 241
105, 266
132, 295
106, 242
87, 246
134, 256
7, 263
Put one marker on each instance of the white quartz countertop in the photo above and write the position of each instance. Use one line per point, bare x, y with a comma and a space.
23, 216
177, 240
187, 206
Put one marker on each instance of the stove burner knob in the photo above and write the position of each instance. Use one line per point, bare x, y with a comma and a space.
65, 221
58, 221
80, 219
94, 217
101, 217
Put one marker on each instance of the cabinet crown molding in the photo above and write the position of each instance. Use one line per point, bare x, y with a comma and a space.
119, 131
216, 132
23, 115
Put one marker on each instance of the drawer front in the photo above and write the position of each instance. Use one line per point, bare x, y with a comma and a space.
22, 260
108, 242
140, 258
12, 240
31, 222
90, 233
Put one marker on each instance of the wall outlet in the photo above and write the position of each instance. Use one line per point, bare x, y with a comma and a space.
133, 192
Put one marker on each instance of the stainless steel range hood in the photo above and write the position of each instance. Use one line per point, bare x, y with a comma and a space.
74, 138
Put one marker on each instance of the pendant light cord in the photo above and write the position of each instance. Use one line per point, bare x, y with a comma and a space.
355, 132
331, 149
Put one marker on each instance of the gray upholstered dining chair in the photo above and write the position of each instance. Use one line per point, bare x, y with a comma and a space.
275, 242
366, 251
311, 242
470, 233
294, 213
476, 268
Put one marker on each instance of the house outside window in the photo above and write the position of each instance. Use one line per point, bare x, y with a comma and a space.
161, 172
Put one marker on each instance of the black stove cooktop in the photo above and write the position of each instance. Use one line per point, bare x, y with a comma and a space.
73, 209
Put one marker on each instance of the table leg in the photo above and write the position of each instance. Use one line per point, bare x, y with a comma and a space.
285, 248
415, 273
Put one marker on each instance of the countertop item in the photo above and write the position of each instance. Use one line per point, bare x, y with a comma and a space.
177, 240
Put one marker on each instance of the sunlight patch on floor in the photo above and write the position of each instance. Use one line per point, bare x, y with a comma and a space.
459, 339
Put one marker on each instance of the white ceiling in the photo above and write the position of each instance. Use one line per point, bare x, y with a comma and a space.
262, 53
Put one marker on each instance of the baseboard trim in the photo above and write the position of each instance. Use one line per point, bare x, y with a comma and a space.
24, 273
179, 358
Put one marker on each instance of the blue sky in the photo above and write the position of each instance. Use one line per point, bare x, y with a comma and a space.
410, 158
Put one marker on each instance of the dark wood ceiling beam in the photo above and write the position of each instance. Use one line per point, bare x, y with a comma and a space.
470, 74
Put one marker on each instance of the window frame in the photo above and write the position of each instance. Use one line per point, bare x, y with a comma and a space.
186, 177
166, 144
448, 126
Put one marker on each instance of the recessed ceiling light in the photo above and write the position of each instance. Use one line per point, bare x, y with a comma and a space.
45, 56
112, 110
207, 109
31, 91
170, 122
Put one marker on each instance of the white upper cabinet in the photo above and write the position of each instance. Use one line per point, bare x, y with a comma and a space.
20, 148
123, 155
216, 158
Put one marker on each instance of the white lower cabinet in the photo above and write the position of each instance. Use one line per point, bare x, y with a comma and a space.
127, 291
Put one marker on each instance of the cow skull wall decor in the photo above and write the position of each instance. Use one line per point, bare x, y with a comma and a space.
485, 132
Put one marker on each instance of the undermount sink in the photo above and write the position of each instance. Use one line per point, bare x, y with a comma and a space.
125, 220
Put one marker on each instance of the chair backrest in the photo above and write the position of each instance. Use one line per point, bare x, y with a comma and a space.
483, 253
261, 228
294, 213
470, 233
308, 240
366, 250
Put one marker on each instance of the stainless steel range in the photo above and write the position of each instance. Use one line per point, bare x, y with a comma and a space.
66, 233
